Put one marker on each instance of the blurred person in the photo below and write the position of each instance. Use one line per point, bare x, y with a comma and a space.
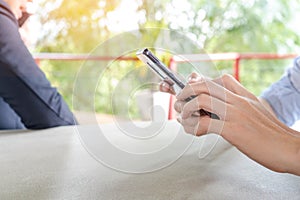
27, 99
258, 127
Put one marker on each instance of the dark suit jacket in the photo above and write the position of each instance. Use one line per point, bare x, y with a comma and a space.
23, 86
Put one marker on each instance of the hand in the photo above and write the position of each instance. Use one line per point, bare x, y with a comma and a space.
167, 86
223, 87
244, 121
193, 78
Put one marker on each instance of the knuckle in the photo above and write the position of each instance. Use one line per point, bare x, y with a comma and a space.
202, 100
203, 125
227, 78
177, 106
245, 101
203, 97
187, 129
193, 75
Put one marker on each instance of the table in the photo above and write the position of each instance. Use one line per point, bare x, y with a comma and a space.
59, 163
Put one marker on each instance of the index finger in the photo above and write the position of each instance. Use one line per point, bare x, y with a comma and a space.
205, 87
165, 86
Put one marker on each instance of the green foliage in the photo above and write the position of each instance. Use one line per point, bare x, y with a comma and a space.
257, 75
62, 75
216, 26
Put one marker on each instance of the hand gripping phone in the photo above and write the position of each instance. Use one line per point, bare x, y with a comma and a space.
160, 69
164, 72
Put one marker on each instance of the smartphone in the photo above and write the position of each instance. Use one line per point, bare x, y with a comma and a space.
160, 69
164, 72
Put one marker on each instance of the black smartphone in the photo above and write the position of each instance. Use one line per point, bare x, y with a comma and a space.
160, 69
164, 72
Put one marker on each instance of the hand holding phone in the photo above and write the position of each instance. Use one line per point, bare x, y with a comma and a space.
166, 74
160, 69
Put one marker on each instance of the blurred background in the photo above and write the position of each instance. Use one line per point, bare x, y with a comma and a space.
77, 27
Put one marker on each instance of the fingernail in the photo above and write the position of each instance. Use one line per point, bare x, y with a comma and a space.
184, 115
192, 78
200, 78
166, 85
178, 94
179, 119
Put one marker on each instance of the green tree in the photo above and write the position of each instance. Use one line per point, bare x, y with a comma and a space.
216, 26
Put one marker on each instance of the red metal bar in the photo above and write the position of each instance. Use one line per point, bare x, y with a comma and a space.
236, 68
172, 112
266, 56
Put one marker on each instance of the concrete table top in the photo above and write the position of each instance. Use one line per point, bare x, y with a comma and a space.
158, 161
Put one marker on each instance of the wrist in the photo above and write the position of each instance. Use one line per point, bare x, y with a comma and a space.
267, 106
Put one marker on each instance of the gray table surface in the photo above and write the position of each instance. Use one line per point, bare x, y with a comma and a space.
59, 164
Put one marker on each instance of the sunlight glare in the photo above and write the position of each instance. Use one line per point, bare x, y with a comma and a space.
124, 18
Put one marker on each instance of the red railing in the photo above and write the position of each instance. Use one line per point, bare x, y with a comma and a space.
235, 57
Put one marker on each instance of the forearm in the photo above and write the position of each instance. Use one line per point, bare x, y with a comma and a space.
245, 121
267, 105
274, 118
268, 144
